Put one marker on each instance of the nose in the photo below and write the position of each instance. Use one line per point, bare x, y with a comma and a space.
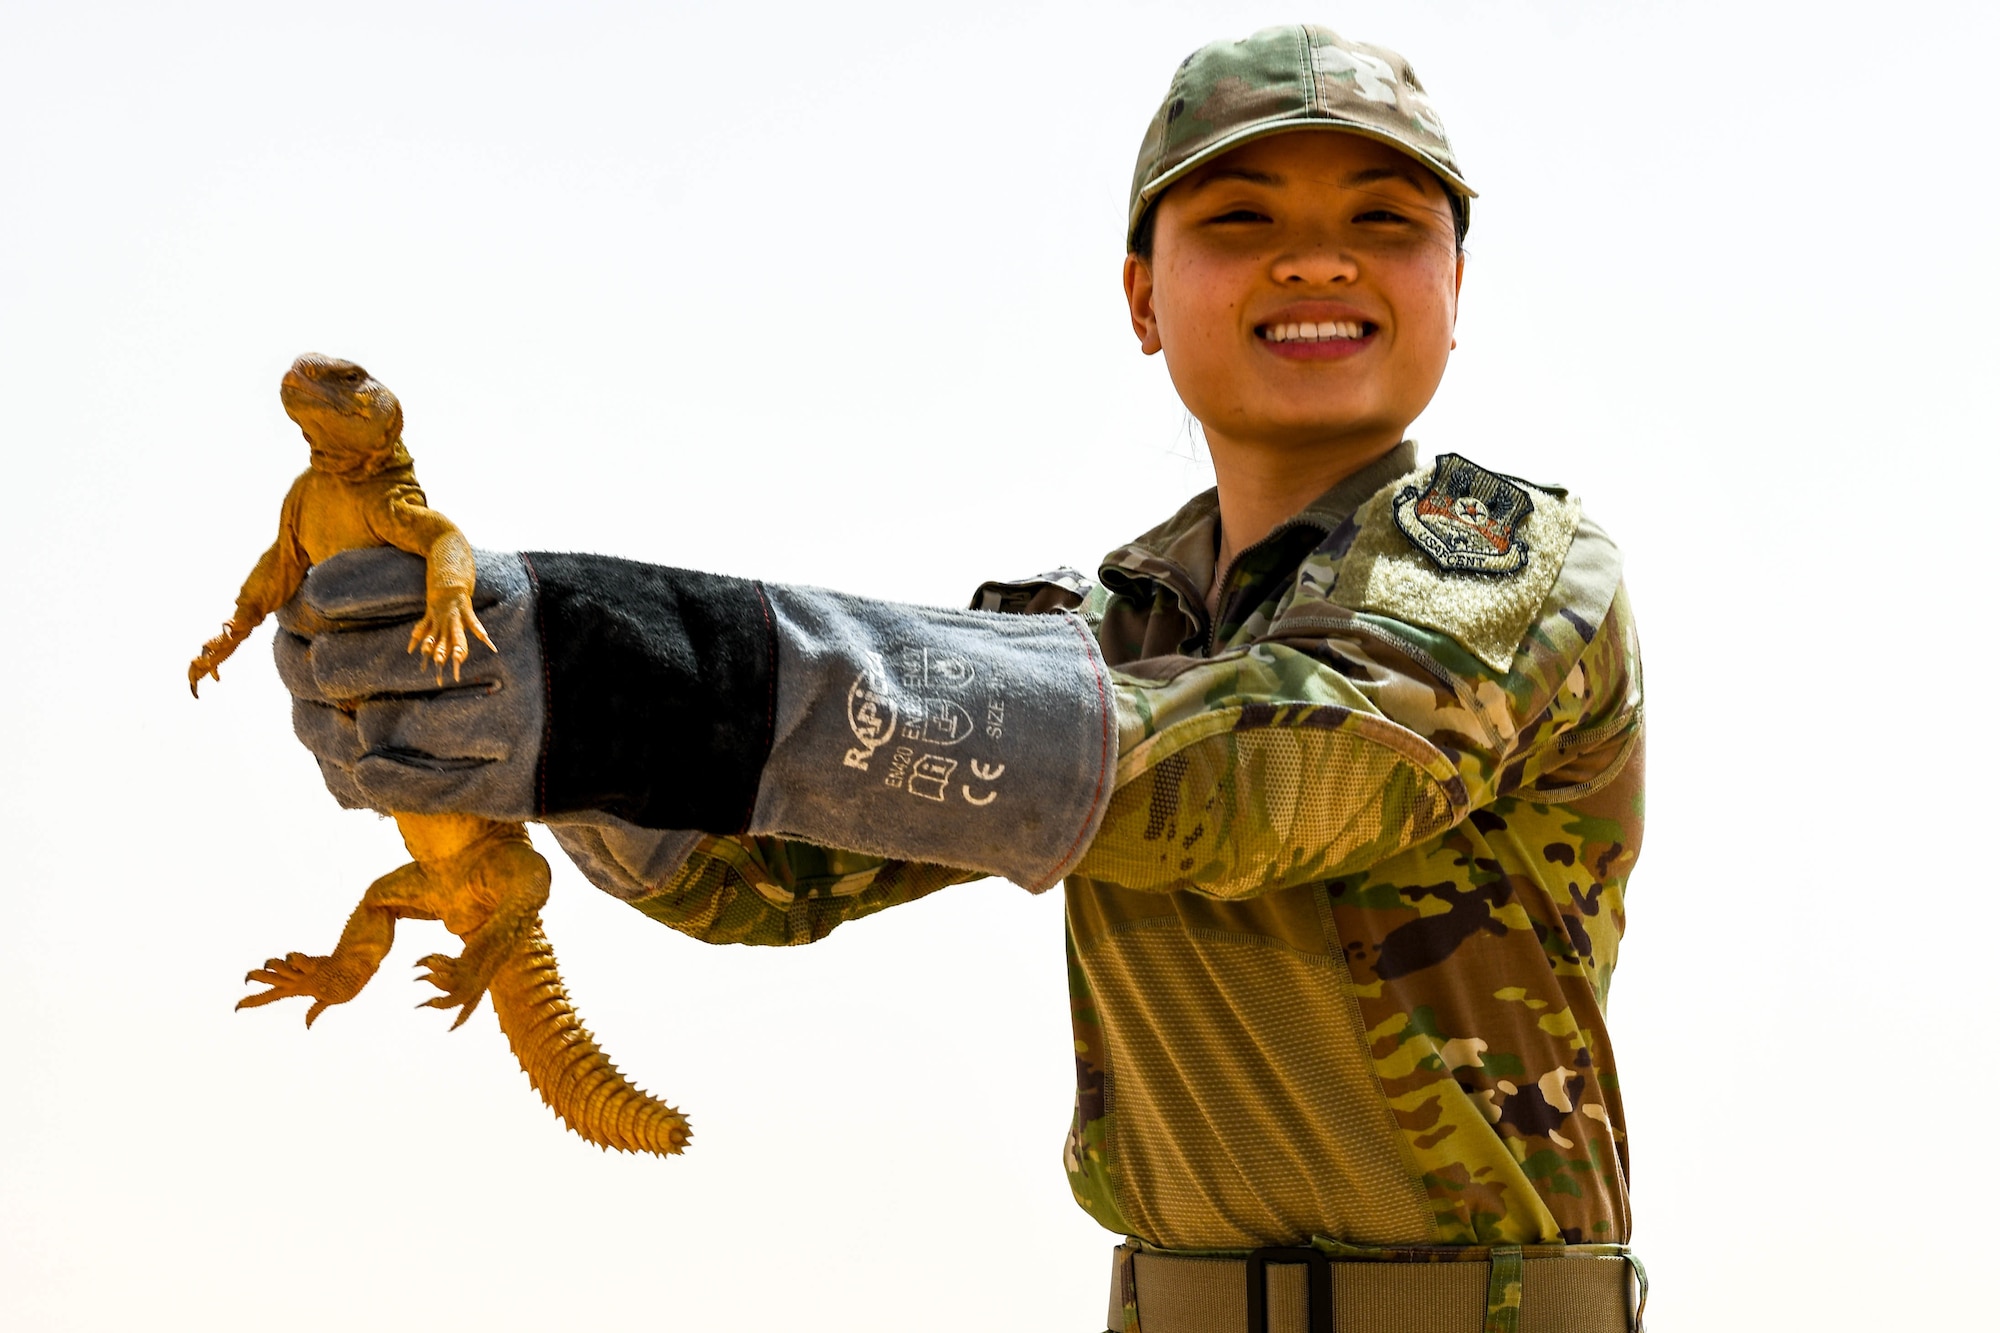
1318, 261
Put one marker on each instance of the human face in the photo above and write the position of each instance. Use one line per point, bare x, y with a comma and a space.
1304, 230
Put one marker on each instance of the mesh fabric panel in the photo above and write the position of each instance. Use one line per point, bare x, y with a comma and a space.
1216, 1150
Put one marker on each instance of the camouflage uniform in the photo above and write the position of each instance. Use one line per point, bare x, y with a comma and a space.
1340, 948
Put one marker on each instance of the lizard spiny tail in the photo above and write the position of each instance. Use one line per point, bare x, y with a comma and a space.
565, 1065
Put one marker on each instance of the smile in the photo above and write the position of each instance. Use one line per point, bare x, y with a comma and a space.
1324, 331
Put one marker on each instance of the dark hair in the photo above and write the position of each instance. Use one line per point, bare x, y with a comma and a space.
1142, 235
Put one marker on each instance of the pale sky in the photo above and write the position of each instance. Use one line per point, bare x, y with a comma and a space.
829, 294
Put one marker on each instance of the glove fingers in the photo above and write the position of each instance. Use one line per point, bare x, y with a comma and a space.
386, 756
294, 658
449, 728
366, 663
377, 583
425, 783
403, 741
329, 733
381, 583
340, 782
335, 741
370, 663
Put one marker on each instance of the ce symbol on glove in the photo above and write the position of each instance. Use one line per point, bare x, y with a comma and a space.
985, 773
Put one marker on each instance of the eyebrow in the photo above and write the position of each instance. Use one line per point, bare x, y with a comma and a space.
1215, 174
1373, 174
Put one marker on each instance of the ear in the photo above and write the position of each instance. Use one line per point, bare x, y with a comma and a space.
1457, 284
1139, 299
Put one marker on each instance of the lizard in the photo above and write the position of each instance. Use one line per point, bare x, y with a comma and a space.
480, 877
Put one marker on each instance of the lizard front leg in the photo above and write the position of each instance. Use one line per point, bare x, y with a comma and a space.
216, 651
370, 932
497, 904
449, 625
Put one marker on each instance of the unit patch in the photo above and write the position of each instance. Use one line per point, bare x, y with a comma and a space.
1460, 550
1468, 519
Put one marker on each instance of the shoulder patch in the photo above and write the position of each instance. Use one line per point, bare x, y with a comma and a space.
1467, 520
1460, 550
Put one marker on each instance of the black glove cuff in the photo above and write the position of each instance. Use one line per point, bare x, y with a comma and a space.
637, 723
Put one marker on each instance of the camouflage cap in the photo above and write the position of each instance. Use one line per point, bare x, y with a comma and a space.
1302, 77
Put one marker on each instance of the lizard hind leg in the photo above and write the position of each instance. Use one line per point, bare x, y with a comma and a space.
564, 1064
492, 884
339, 976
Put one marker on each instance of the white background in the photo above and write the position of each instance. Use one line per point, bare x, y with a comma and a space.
829, 293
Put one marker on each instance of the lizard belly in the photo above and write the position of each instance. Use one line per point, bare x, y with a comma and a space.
333, 515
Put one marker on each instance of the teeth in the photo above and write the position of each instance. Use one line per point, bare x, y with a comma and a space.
1324, 331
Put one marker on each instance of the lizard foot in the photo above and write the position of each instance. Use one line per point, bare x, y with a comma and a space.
216, 651
462, 980
301, 974
446, 632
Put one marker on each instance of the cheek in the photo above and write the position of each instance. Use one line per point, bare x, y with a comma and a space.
1195, 305
1430, 304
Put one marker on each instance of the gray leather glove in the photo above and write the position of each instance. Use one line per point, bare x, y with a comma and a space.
675, 700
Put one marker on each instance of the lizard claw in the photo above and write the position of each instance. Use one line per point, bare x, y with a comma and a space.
296, 974
213, 654
198, 668
461, 990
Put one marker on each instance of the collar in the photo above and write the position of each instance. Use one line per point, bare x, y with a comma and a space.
1180, 552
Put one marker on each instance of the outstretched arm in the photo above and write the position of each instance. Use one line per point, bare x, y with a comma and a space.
987, 743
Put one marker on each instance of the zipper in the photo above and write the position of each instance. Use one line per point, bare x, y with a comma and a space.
1208, 621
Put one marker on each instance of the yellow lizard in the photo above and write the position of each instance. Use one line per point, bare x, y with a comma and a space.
480, 877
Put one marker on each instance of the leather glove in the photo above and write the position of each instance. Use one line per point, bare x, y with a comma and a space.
675, 700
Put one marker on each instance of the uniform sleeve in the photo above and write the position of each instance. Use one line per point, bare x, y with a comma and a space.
1240, 774
756, 890
1343, 738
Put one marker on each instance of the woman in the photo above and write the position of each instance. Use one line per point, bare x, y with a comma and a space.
1340, 765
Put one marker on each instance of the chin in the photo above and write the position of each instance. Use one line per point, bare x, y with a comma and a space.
1310, 425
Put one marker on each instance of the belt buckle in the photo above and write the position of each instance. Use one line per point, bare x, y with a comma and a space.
1319, 1286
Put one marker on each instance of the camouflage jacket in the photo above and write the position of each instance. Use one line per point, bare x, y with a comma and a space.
1340, 949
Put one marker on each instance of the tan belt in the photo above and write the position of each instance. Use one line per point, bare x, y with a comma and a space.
1302, 1290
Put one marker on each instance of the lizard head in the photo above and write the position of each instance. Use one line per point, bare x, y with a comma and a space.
351, 420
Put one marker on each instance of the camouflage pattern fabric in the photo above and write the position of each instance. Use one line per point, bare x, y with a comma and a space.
1340, 951
1299, 77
